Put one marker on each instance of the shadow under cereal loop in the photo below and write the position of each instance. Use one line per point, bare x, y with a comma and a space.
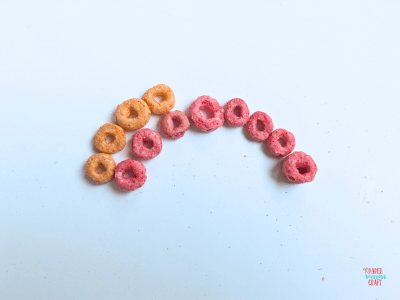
277, 176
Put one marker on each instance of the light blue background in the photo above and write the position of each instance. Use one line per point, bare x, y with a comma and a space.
209, 223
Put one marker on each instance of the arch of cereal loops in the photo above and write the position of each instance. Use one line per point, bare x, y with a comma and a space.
297, 167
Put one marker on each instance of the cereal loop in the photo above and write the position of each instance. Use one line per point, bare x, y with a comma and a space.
281, 142
132, 183
115, 134
168, 127
299, 167
216, 118
259, 126
147, 137
164, 106
100, 167
133, 114
236, 112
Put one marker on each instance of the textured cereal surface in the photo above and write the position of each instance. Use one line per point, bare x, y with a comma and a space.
267, 123
110, 130
231, 118
130, 184
294, 162
164, 106
123, 114
167, 124
146, 135
201, 122
96, 161
275, 147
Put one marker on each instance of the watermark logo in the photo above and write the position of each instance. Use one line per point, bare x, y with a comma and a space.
374, 276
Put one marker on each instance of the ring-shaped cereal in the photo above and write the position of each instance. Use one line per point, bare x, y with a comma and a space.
125, 117
299, 167
115, 133
105, 163
132, 183
151, 138
168, 127
216, 118
281, 142
166, 104
240, 107
259, 126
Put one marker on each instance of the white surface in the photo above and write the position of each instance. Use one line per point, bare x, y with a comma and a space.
209, 223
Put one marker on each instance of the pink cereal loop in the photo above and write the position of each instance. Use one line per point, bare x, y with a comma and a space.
206, 124
130, 184
299, 167
146, 135
288, 142
167, 124
266, 126
243, 112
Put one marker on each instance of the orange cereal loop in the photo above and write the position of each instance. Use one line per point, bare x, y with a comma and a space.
133, 114
164, 106
100, 167
115, 135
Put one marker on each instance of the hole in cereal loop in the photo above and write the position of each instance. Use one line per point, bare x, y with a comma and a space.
129, 174
133, 114
282, 142
206, 113
260, 125
148, 144
302, 170
237, 111
110, 138
101, 169
175, 123
159, 98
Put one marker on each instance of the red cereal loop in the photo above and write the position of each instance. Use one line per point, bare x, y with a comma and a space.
281, 142
299, 167
135, 182
168, 127
150, 138
238, 106
203, 123
259, 126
